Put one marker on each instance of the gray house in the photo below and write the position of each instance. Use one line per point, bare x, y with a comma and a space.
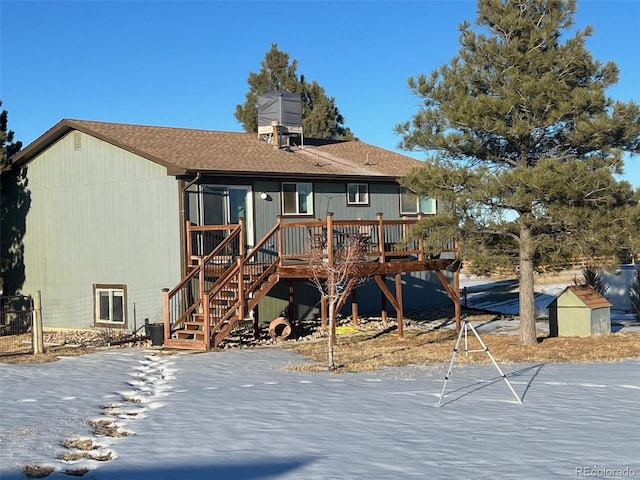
115, 213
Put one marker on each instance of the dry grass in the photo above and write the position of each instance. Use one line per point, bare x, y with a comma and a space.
368, 352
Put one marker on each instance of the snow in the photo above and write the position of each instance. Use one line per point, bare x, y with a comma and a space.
242, 414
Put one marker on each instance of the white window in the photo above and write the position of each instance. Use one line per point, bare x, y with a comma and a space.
412, 204
110, 303
297, 199
357, 194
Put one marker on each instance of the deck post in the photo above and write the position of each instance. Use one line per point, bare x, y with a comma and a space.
201, 276
291, 302
206, 327
383, 302
241, 312
165, 307
399, 313
280, 238
242, 247
354, 307
404, 229
380, 237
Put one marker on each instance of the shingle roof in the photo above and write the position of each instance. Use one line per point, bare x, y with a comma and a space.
184, 150
589, 296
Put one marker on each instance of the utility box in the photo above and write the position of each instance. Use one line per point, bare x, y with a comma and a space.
280, 109
579, 311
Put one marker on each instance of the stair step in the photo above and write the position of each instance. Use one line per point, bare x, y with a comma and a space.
189, 335
194, 326
185, 344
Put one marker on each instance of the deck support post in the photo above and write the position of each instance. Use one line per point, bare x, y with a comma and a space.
354, 307
291, 302
383, 302
399, 310
381, 258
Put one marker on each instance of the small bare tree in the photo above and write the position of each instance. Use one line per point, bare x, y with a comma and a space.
335, 272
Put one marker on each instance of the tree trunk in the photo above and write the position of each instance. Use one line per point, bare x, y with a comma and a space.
332, 320
526, 295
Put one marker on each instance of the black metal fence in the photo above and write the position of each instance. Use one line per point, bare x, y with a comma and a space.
16, 325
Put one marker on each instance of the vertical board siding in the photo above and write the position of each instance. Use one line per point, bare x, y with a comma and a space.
99, 215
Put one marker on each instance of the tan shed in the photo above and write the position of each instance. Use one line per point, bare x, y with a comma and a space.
579, 311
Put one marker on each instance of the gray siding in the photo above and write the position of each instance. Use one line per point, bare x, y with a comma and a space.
420, 289
99, 215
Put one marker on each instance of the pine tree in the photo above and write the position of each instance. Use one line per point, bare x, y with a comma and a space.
528, 147
320, 116
14, 204
8, 147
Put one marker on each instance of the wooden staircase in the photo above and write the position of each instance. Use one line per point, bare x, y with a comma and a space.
219, 292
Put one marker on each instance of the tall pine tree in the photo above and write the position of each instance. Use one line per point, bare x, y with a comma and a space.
527, 146
8, 147
320, 116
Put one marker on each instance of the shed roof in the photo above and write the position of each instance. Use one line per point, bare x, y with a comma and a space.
185, 151
587, 295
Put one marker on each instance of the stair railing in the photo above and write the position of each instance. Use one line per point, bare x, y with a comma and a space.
181, 302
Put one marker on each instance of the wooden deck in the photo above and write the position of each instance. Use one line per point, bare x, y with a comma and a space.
226, 280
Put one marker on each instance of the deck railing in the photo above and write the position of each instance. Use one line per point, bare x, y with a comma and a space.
288, 242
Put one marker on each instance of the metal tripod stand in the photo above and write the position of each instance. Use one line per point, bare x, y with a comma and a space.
463, 331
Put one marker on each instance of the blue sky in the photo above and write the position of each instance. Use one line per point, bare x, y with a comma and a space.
185, 64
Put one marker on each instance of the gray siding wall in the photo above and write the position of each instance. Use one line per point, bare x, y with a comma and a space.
420, 289
99, 215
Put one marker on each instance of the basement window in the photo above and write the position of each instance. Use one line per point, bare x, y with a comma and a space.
110, 305
297, 198
412, 204
357, 194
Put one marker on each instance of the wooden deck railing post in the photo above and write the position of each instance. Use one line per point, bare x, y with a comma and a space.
240, 263
206, 327
167, 316
330, 237
280, 239
380, 237
404, 229
201, 265
241, 223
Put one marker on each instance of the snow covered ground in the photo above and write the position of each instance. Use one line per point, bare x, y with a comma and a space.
242, 415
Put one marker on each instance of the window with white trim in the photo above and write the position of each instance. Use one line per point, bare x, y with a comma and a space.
110, 305
297, 198
412, 204
357, 194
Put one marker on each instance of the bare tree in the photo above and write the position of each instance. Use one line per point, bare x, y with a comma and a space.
335, 272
